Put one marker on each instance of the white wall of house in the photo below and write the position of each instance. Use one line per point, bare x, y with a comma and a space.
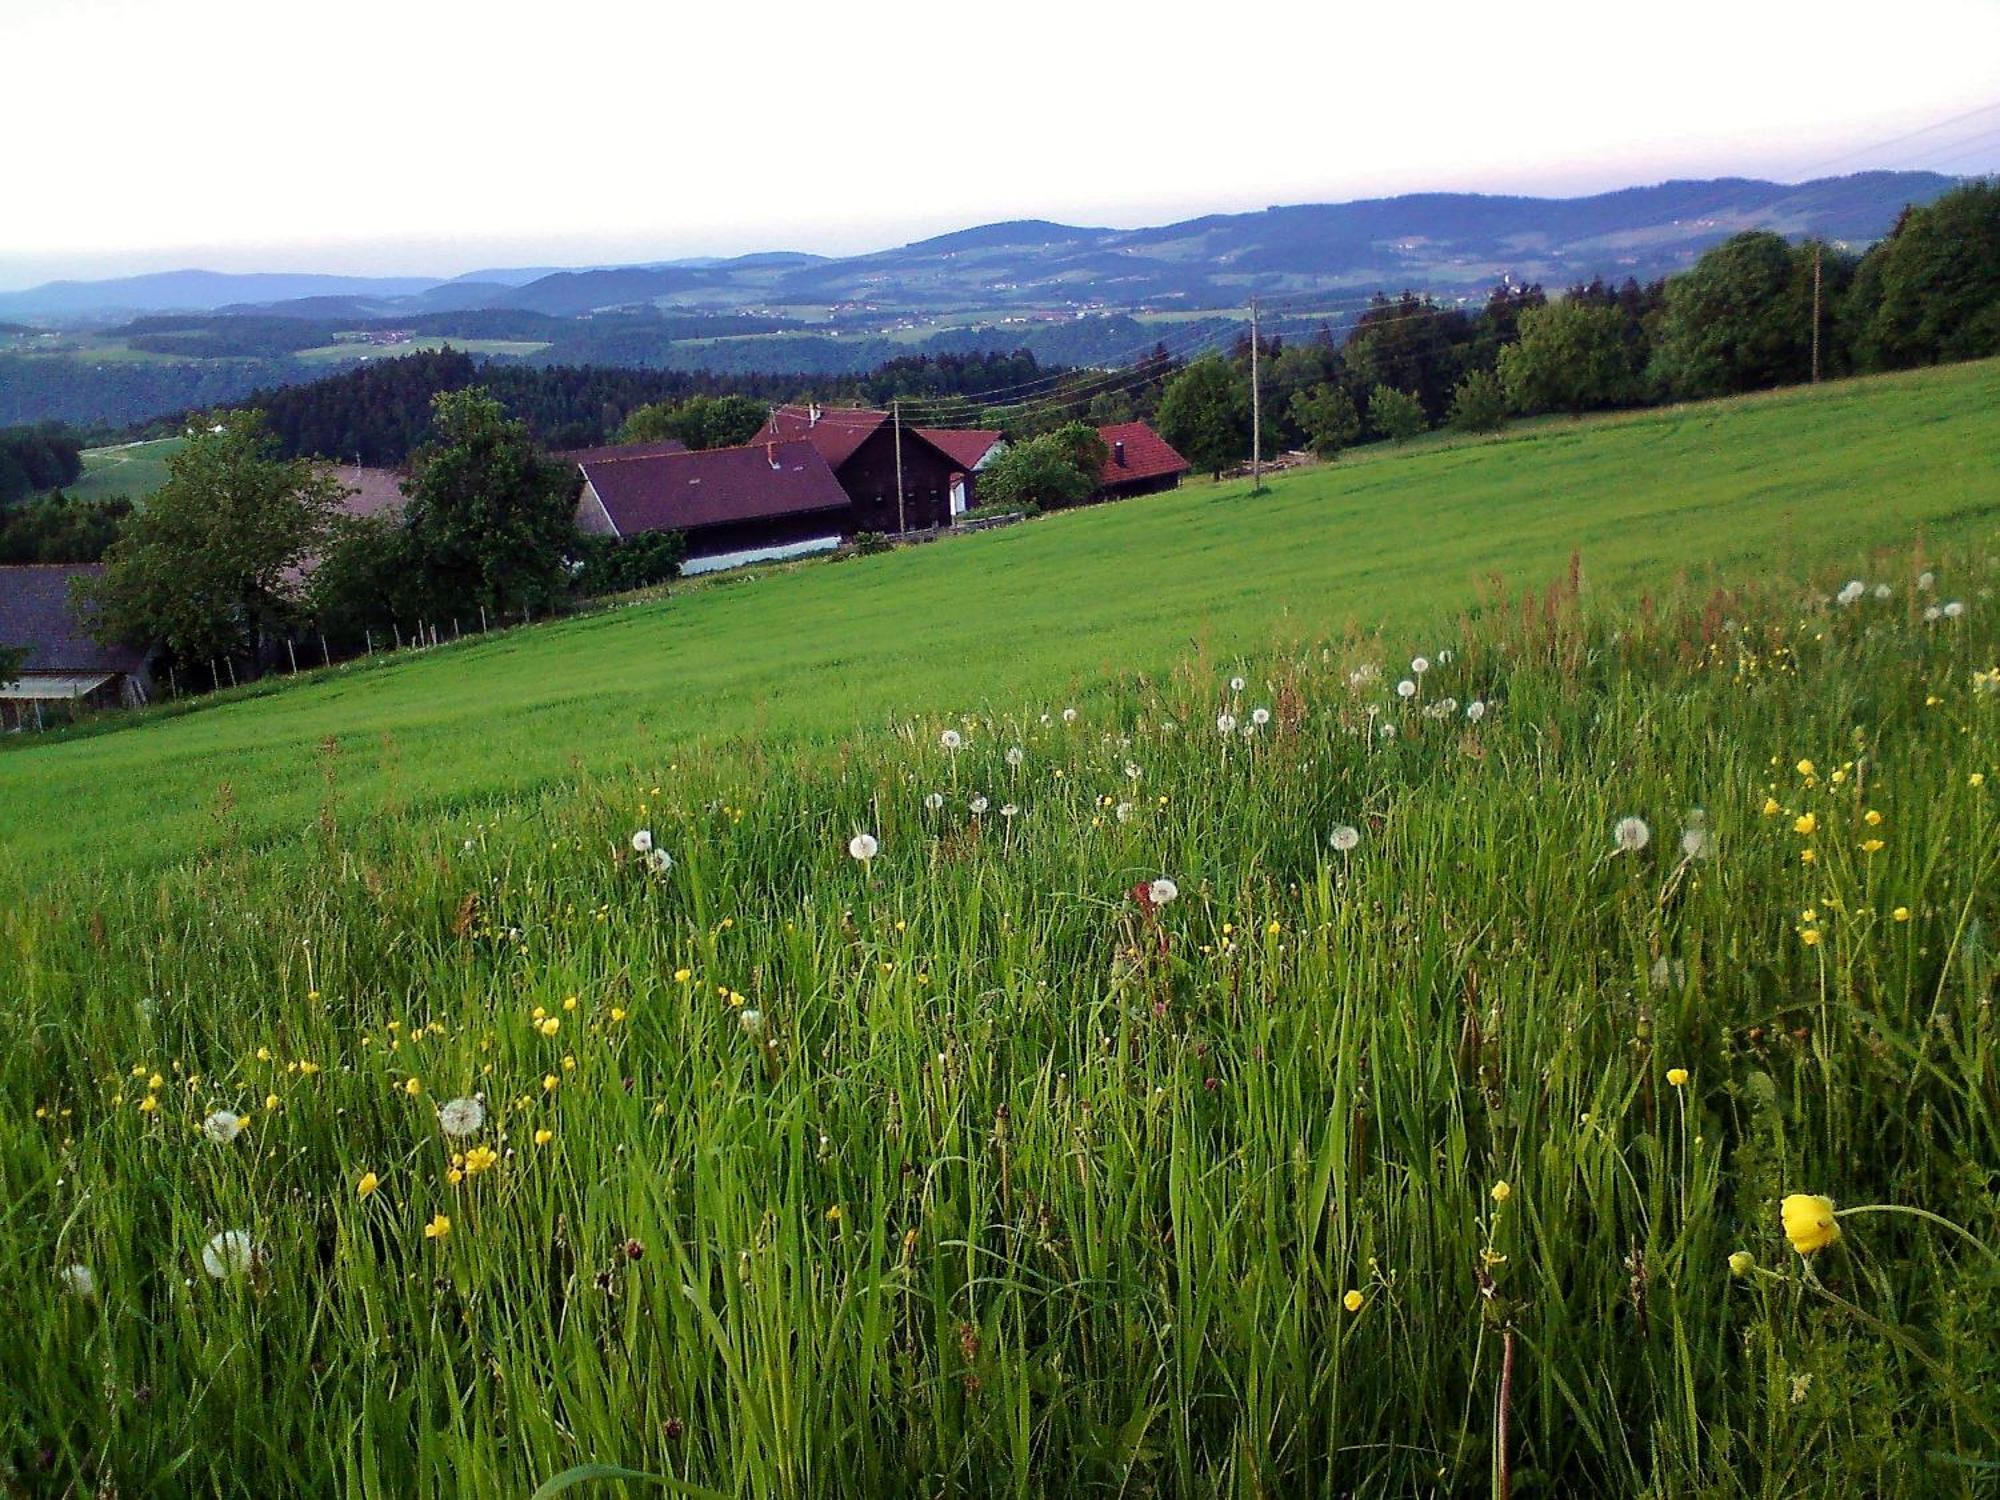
721, 560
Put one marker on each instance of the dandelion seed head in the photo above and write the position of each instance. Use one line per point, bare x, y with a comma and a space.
1631, 835
223, 1126
1345, 837
461, 1117
863, 846
642, 841
80, 1281
1162, 891
230, 1253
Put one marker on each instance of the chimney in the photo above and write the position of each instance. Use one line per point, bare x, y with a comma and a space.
1118, 453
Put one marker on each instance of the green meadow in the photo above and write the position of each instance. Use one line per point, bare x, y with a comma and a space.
1069, 606
131, 470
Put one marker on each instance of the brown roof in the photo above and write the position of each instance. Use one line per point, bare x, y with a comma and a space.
835, 430
35, 612
964, 446
620, 450
686, 491
370, 492
1147, 455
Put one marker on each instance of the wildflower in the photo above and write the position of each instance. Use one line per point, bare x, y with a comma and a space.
1977, 778
1954, 609
978, 805
549, 1025
659, 862
1809, 1223
1124, 812
1225, 724
752, 1022
1851, 591
230, 1253
1926, 581
1771, 807
1406, 689
1882, 591
1806, 769
413, 1086
1741, 1263
223, 1126
1419, 665
1344, 838
438, 1228
1162, 891
366, 1187
935, 801
642, 841
1260, 716
1631, 835
544, 1136
1901, 914
1502, 1192
951, 739
863, 847
1475, 710
1354, 1301
461, 1117
1696, 842
1872, 818
1069, 716
1678, 1077
1805, 823
834, 1215
480, 1159
1872, 846
1015, 755
1236, 684
1809, 936
1930, 614
81, 1281
1008, 809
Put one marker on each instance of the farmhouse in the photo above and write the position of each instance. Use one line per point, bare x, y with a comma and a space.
64, 663
757, 503
1137, 461
861, 448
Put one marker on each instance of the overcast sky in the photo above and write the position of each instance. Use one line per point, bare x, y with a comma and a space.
412, 136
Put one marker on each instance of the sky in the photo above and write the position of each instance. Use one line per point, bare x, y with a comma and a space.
432, 137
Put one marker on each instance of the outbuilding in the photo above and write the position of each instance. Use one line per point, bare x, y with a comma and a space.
65, 666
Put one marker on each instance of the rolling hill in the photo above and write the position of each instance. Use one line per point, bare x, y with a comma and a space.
1056, 608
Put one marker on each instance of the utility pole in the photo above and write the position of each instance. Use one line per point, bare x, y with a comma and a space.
1815, 340
896, 412
1256, 411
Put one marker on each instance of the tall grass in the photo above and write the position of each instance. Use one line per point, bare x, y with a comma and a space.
1020, 1183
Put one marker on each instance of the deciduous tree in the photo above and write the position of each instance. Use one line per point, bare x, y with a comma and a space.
1325, 415
1205, 413
1397, 415
1571, 355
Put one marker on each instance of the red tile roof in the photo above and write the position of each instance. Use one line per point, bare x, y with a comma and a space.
1147, 455
964, 446
837, 430
686, 491
35, 612
370, 492
619, 450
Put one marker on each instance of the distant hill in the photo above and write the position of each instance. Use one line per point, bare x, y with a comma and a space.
1448, 243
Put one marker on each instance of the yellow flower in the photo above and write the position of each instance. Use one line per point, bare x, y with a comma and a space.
1872, 818
1677, 1076
1805, 768
1741, 1263
270, 1103
682, 976
548, 1025
1770, 807
1901, 914
480, 1159
833, 1215
1806, 856
1977, 778
617, 1014
307, 1069
412, 1087
155, 1083
1353, 1302
549, 1082
1804, 823
148, 1104
1871, 846
367, 1185
438, 1228
544, 1136
1274, 929
1810, 937
1502, 1192
570, 1003
1809, 1222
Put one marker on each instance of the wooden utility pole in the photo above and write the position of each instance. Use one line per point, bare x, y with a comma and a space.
896, 413
1815, 340
1256, 410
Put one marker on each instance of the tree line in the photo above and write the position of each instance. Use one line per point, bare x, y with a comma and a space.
37, 458
1742, 319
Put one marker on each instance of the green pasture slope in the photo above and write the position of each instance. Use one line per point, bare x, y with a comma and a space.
1058, 607
131, 470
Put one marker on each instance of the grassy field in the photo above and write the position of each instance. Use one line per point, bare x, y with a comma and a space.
133, 470
1293, 1086
1067, 606
350, 352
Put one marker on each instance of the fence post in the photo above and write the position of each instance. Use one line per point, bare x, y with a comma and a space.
369, 636
399, 634
482, 619
293, 655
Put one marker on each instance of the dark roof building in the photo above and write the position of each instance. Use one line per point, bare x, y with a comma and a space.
1137, 461
734, 505
862, 447
64, 662
620, 450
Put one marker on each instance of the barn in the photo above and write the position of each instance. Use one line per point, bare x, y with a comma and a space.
860, 446
758, 503
1137, 461
65, 665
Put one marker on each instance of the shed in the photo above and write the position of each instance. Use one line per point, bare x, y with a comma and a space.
64, 662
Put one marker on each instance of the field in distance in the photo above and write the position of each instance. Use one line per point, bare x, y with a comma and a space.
1062, 607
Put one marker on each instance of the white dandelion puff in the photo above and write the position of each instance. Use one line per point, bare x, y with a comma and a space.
1260, 716
1696, 841
752, 1022
1631, 835
1345, 837
1475, 710
1225, 724
978, 805
1015, 755
1883, 591
1069, 716
1419, 665
1406, 689
1954, 609
1926, 581
642, 841
80, 1280
863, 847
1931, 613
1161, 891
1851, 591
461, 1117
951, 739
1124, 812
230, 1253
1132, 771
1008, 809
223, 1126
935, 801
659, 862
